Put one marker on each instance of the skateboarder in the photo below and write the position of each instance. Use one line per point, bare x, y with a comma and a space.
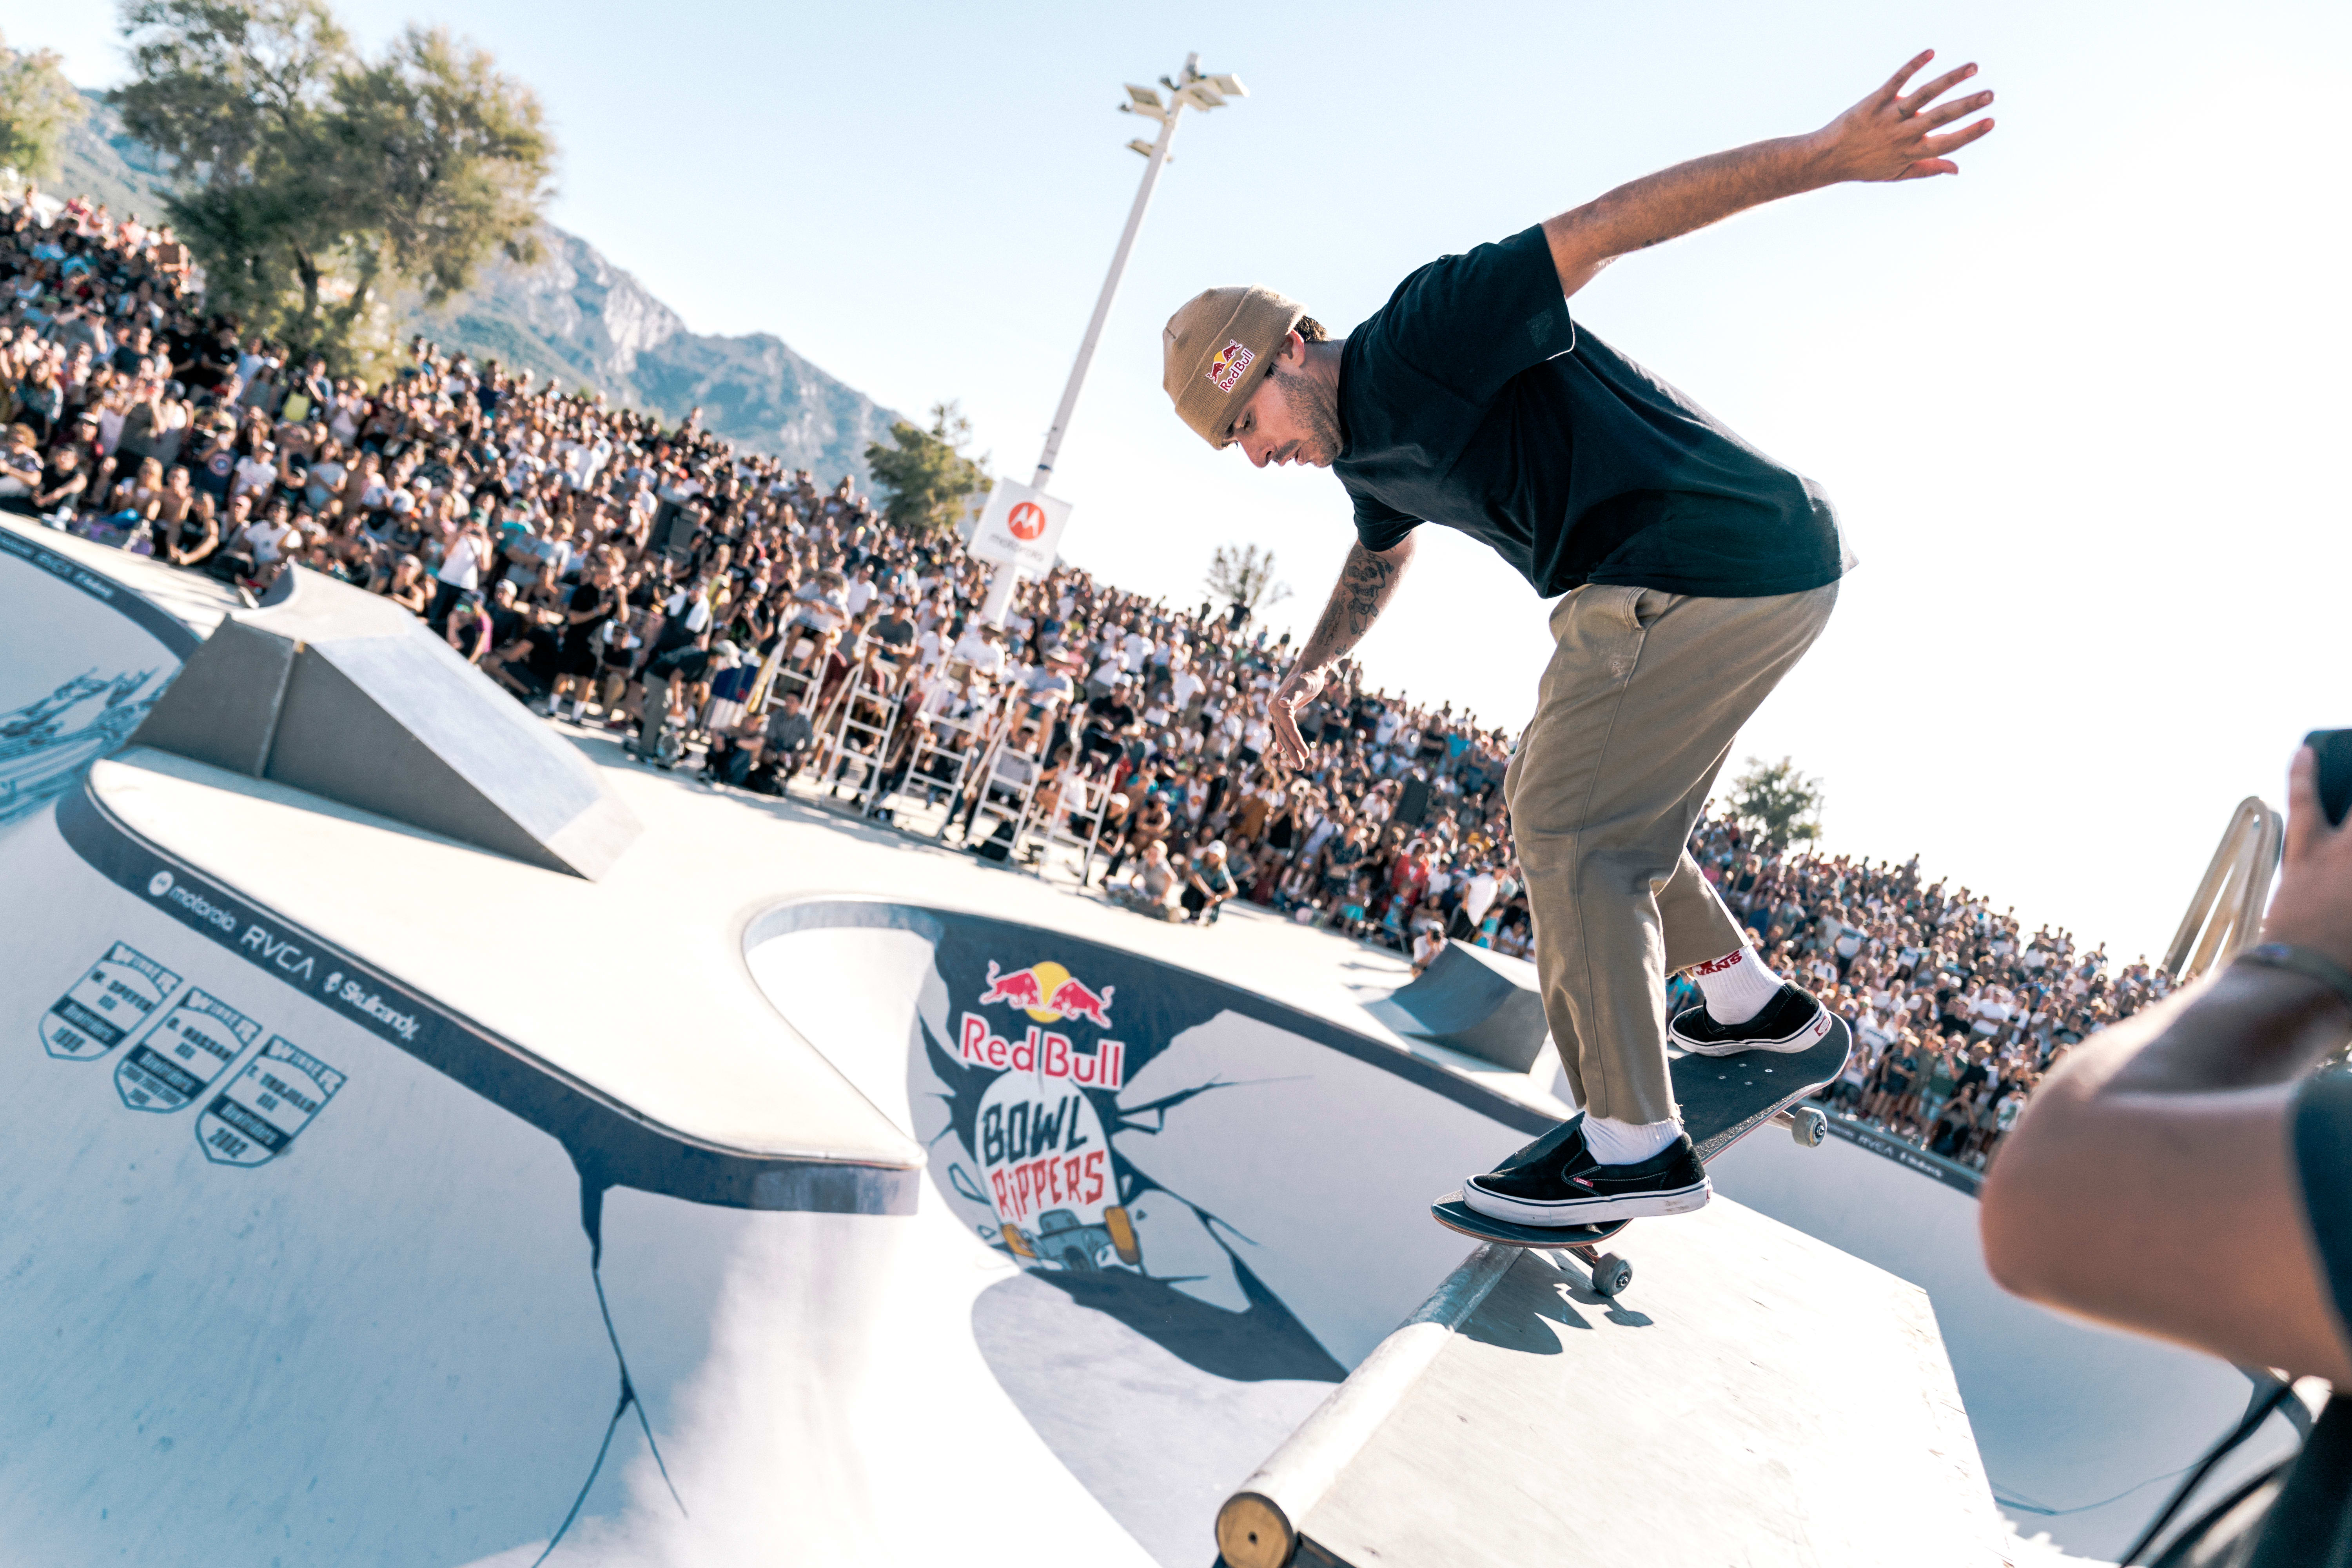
1693, 571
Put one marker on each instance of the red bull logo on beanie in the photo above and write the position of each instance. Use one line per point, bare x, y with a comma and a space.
1225, 366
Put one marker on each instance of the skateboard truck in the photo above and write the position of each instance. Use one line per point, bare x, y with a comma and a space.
1611, 1273
1806, 1124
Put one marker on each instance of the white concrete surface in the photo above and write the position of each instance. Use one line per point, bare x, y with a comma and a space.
1695, 1419
389, 1334
2093, 1425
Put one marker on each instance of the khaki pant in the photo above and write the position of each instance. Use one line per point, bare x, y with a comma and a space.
1636, 713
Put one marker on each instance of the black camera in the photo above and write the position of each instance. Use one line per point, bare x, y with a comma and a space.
2334, 748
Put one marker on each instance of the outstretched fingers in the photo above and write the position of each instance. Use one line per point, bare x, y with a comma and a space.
1912, 104
1937, 146
1945, 113
1893, 88
1288, 743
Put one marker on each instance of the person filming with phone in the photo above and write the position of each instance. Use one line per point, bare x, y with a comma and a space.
2186, 1174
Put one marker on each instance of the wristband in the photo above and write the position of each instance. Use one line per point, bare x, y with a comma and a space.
2302, 961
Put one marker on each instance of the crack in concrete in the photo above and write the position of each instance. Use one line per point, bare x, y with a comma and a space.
592, 1220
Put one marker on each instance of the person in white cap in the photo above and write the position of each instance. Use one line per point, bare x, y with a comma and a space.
1692, 572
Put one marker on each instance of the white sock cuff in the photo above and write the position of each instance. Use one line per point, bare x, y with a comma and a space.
1737, 985
1615, 1142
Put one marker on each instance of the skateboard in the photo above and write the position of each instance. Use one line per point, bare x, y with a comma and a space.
1723, 1100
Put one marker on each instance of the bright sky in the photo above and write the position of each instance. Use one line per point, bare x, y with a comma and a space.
2083, 407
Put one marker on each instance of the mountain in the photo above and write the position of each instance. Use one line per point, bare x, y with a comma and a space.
577, 320
100, 160
577, 317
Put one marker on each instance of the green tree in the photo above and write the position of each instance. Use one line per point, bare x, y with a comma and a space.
315, 185
925, 480
1777, 804
1243, 574
37, 107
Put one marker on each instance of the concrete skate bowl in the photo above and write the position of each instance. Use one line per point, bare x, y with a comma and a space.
1194, 1209
302, 1266
1274, 1169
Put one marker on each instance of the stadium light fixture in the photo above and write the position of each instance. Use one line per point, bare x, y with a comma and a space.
1195, 90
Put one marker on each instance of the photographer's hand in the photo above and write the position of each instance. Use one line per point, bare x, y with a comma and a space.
2152, 1182
2312, 907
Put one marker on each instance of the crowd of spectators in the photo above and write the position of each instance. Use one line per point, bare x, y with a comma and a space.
1956, 1013
613, 570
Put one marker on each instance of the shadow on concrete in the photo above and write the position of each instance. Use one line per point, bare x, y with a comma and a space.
1261, 1343
1534, 1308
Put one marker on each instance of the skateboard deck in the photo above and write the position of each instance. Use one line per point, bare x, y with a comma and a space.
1723, 1100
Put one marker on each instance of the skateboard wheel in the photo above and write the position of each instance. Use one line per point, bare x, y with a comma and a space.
1611, 1274
1809, 1127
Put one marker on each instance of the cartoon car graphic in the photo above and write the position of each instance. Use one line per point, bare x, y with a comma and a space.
1061, 1241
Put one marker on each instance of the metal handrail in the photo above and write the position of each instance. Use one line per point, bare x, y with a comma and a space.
2226, 915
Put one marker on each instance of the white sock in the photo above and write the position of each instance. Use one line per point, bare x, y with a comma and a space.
1737, 985
579, 706
1615, 1142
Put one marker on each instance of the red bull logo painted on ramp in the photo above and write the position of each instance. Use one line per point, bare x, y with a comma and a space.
1043, 1053
1045, 1132
1049, 993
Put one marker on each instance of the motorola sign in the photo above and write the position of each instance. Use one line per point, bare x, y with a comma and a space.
1020, 526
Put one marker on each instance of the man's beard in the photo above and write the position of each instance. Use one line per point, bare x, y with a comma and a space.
1315, 409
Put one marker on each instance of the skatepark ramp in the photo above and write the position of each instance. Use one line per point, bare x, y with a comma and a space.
1264, 1223
348, 1224
374, 1195
1483, 1003
340, 693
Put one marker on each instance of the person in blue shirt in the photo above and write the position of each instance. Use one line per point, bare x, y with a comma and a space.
1690, 570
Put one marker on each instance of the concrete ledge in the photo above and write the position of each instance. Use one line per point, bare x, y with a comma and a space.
1755, 1397
1257, 1527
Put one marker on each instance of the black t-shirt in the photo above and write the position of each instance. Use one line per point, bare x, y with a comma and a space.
1472, 400
506, 625
587, 596
689, 664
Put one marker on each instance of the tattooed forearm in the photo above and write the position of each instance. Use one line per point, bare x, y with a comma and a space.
1366, 584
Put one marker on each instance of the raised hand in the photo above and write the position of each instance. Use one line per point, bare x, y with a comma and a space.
1891, 134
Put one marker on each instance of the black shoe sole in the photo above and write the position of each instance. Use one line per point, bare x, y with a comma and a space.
1806, 1037
1586, 1211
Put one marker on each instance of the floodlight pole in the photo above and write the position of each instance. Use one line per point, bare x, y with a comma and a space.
1002, 580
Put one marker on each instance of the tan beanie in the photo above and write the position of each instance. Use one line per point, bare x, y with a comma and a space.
1216, 348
